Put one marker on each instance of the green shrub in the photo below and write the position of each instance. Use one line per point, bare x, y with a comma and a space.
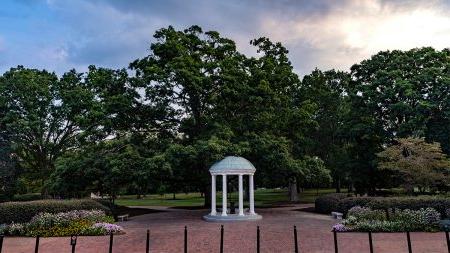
329, 202
76, 222
80, 227
27, 197
440, 204
345, 204
20, 212
366, 213
15, 229
3, 229
364, 219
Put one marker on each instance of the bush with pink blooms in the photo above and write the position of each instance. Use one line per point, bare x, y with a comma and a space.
365, 219
77, 222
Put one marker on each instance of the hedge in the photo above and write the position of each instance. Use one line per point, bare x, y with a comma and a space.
27, 197
19, 212
441, 204
329, 202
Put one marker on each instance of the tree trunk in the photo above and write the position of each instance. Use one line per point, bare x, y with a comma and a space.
173, 196
293, 195
338, 184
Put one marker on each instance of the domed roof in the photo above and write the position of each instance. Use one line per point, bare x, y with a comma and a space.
232, 165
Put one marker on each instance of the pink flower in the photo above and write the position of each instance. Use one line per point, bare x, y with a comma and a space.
108, 227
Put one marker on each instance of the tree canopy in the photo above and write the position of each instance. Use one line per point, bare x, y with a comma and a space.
418, 163
159, 125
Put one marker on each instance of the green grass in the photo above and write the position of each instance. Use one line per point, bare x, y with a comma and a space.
263, 198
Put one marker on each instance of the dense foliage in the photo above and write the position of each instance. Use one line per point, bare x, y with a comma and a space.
329, 202
194, 99
365, 219
440, 204
418, 164
77, 222
20, 212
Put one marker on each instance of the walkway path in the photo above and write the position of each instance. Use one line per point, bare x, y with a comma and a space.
276, 236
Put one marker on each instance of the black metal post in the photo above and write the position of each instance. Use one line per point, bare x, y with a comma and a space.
336, 250
408, 237
295, 240
1, 242
221, 239
111, 240
36, 247
185, 239
147, 244
73, 242
257, 240
448, 241
370, 242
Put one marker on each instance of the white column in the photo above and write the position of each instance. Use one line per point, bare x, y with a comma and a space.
224, 195
252, 195
241, 196
213, 195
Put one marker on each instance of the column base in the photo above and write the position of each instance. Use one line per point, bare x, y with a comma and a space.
232, 217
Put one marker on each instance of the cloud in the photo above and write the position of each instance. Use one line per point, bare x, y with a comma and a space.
60, 35
357, 29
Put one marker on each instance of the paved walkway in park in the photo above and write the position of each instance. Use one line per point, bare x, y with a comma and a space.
167, 229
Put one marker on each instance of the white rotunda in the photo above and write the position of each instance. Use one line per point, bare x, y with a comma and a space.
232, 166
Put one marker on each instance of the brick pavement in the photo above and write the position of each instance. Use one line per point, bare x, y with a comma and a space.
276, 236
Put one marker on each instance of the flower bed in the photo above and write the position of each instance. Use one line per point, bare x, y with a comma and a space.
21, 212
77, 222
438, 203
365, 219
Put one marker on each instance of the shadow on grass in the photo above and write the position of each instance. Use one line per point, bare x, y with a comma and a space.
264, 206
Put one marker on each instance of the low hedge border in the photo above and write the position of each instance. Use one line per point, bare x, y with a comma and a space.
20, 212
328, 203
440, 204
341, 202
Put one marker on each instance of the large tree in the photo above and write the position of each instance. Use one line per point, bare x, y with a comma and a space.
9, 168
418, 163
218, 96
396, 94
46, 115
328, 91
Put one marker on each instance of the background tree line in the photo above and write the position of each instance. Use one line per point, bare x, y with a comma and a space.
158, 125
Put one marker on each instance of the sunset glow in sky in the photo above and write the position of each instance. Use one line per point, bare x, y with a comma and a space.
60, 35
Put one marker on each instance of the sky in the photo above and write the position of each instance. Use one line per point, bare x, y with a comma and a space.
59, 35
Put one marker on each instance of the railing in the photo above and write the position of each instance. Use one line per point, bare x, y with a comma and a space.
408, 240
73, 241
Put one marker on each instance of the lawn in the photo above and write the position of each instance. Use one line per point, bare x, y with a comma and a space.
263, 198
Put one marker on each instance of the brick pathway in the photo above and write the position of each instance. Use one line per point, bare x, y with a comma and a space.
276, 236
